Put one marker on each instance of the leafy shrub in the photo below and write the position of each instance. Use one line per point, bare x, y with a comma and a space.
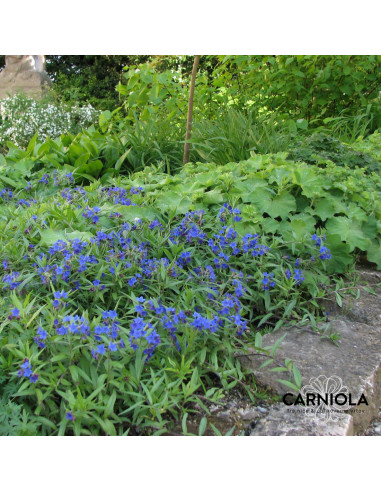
235, 135
88, 155
311, 87
89, 79
370, 145
319, 147
21, 117
150, 142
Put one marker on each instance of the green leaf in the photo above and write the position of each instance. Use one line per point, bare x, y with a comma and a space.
110, 405
289, 308
297, 376
324, 208
274, 348
350, 231
260, 198
340, 252
74, 373
310, 184
121, 159
258, 340
132, 213
374, 253
15, 184
184, 423
93, 168
32, 144
281, 205
202, 426
172, 201
288, 384
50, 236
82, 160
339, 299
212, 197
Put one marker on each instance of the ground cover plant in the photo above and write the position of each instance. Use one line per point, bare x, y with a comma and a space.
131, 284
319, 147
283, 198
118, 315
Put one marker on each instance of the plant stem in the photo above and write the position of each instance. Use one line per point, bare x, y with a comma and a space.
190, 109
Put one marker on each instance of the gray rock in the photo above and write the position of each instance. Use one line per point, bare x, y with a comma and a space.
377, 430
249, 413
262, 410
356, 360
366, 309
282, 422
372, 277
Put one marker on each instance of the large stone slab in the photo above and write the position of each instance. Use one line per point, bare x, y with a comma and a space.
366, 309
372, 277
282, 421
356, 360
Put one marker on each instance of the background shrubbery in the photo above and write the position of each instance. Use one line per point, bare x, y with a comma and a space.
22, 117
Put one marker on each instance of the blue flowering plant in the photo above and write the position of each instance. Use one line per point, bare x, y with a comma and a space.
118, 317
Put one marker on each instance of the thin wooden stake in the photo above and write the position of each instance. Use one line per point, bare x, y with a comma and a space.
190, 109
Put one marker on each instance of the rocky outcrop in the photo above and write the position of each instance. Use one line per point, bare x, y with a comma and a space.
355, 363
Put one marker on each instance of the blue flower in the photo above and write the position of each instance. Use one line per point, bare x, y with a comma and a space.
42, 333
267, 281
14, 314
325, 253
100, 349
298, 276
26, 371
109, 315
112, 347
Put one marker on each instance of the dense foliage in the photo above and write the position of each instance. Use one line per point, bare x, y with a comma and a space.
119, 310
130, 283
319, 148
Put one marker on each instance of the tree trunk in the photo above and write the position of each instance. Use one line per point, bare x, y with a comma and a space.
190, 109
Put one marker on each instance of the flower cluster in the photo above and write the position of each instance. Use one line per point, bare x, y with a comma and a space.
267, 281
226, 211
6, 194
144, 331
22, 117
324, 252
91, 214
41, 337
10, 281
57, 297
198, 284
26, 371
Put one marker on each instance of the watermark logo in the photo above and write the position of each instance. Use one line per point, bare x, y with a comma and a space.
324, 397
